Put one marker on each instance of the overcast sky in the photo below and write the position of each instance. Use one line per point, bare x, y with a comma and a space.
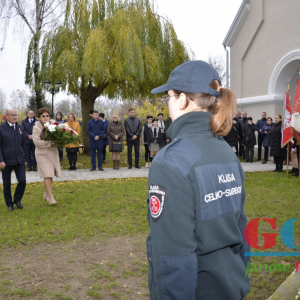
201, 24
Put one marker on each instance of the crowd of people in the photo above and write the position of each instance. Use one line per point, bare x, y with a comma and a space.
242, 138
27, 145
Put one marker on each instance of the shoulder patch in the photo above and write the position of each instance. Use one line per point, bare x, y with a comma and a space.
221, 188
157, 197
181, 155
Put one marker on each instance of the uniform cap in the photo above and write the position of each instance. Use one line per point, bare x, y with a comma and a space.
191, 77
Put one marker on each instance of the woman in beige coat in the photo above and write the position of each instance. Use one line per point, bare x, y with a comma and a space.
115, 131
46, 155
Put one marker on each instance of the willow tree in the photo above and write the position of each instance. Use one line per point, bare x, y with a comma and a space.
121, 49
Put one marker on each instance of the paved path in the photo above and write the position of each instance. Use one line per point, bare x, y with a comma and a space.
85, 174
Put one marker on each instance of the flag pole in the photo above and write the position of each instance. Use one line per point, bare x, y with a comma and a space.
288, 145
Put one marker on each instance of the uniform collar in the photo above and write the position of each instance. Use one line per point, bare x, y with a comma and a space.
12, 125
190, 123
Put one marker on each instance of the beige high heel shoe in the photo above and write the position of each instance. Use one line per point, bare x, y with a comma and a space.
51, 200
45, 196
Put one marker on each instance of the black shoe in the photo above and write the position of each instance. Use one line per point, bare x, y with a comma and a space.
19, 205
34, 169
280, 170
276, 170
264, 162
29, 169
130, 167
74, 168
246, 160
100, 169
258, 159
92, 169
10, 208
296, 173
251, 161
138, 167
70, 169
104, 161
293, 171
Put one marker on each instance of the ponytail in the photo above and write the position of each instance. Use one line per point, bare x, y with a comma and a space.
222, 112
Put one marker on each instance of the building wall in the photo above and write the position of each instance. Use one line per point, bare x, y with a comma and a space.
270, 31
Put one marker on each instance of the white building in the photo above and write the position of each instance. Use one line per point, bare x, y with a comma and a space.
264, 42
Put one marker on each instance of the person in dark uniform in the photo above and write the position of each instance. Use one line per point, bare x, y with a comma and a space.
146, 139
28, 124
162, 126
13, 157
196, 197
260, 137
242, 122
105, 137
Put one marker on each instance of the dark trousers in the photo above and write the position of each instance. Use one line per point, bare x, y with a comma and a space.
163, 140
249, 150
6, 177
104, 152
93, 157
260, 142
241, 148
60, 154
136, 144
31, 155
72, 157
147, 153
279, 162
266, 154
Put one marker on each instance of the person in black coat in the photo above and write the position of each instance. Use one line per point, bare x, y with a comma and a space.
12, 157
28, 124
232, 138
242, 122
249, 139
237, 118
133, 128
275, 144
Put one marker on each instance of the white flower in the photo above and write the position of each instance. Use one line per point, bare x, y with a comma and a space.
52, 128
62, 125
47, 124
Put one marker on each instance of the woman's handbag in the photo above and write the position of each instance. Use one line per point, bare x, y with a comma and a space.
295, 123
105, 136
117, 147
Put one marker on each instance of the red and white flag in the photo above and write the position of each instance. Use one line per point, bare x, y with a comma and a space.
286, 123
296, 109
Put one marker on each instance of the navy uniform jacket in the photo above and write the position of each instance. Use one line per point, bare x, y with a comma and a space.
12, 144
93, 129
28, 129
105, 123
196, 200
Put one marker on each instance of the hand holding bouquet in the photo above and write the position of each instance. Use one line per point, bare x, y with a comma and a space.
60, 135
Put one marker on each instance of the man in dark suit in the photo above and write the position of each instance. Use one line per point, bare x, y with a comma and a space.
105, 139
95, 129
12, 157
133, 128
28, 124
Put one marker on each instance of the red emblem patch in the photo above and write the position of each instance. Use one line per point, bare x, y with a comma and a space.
157, 196
154, 205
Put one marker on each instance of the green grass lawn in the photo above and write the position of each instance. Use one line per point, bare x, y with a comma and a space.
112, 213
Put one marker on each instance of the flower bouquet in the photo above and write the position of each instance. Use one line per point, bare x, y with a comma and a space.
60, 135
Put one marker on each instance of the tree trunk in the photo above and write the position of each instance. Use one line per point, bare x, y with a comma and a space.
87, 104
